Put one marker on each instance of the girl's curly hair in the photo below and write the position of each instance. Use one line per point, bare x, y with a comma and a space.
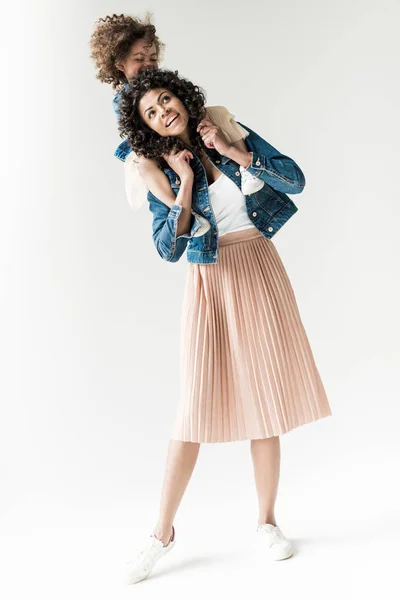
143, 140
113, 38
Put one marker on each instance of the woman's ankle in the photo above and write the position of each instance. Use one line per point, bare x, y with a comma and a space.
165, 534
270, 520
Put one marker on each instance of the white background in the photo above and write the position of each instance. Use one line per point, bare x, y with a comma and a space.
90, 314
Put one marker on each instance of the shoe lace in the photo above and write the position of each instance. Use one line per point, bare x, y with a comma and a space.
149, 552
275, 536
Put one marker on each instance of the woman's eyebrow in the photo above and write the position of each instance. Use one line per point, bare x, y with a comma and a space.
158, 100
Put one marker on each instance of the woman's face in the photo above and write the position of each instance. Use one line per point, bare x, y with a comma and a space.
163, 112
142, 55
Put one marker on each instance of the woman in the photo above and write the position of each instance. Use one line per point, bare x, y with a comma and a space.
247, 369
121, 47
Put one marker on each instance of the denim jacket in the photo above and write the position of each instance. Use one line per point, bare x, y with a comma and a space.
268, 209
124, 148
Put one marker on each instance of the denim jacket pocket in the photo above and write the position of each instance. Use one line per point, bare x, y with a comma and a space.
270, 200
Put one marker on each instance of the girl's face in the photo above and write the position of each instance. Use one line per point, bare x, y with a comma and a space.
163, 112
141, 56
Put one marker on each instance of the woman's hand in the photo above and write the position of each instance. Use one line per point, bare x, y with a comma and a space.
179, 161
213, 137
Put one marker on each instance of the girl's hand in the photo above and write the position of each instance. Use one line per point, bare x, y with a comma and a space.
213, 137
179, 161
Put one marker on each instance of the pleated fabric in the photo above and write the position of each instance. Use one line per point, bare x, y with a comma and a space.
247, 369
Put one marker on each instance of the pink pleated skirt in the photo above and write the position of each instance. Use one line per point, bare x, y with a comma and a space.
247, 369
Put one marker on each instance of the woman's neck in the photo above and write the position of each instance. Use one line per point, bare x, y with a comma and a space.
185, 137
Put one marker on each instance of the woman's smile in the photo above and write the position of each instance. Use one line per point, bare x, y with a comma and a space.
172, 119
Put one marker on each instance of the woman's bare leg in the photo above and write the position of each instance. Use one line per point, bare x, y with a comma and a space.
181, 460
266, 455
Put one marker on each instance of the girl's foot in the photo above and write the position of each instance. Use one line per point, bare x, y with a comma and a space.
277, 547
203, 222
144, 562
250, 183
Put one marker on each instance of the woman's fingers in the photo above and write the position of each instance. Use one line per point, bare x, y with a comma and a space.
177, 155
208, 139
204, 133
170, 155
205, 123
188, 156
208, 131
204, 130
184, 155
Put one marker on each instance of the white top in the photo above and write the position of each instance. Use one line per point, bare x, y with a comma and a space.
229, 205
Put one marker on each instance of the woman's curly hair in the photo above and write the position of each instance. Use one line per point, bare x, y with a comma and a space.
143, 140
112, 40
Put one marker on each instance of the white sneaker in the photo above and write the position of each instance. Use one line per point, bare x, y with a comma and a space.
250, 184
144, 562
277, 546
203, 222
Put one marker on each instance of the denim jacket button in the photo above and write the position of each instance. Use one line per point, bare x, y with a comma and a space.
270, 228
217, 162
177, 182
258, 162
237, 173
254, 214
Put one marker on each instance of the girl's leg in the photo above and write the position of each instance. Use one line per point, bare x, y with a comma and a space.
266, 461
181, 459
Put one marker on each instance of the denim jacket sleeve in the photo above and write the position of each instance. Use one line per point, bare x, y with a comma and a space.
124, 148
278, 171
116, 101
165, 225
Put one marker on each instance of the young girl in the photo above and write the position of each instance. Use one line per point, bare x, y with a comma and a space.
121, 47
247, 369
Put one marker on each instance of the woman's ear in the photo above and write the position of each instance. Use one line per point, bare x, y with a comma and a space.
120, 67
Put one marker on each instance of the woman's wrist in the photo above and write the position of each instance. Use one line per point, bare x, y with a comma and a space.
187, 179
184, 197
243, 158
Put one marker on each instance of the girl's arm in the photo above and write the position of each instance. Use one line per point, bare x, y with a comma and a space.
156, 180
142, 175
